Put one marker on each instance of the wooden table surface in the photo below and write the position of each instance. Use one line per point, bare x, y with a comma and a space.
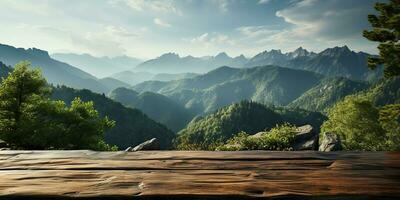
199, 175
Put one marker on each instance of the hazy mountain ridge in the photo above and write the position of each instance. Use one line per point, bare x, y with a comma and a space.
133, 78
173, 63
98, 66
56, 72
334, 62
112, 83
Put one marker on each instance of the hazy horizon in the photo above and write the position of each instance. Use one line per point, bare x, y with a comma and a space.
148, 29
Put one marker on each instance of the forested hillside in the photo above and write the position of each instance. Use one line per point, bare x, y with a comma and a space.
387, 91
225, 85
4, 70
156, 106
327, 93
208, 132
132, 125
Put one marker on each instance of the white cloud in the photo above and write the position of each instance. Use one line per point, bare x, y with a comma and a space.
263, 1
223, 5
211, 40
328, 20
161, 23
257, 31
163, 6
40, 8
119, 31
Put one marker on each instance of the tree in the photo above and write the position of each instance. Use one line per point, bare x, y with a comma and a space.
355, 120
389, 118
386, 31
30, 120
20, 93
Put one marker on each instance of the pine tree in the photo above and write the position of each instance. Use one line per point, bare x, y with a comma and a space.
20, 94
386, 31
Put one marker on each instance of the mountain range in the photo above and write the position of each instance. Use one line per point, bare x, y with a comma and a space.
98, 66
133, 78
56, 72
226, 85
205, 94
334, 62
173, 63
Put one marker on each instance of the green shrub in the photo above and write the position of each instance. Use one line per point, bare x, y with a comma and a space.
279, 138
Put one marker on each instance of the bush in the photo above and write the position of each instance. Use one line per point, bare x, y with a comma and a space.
279, 138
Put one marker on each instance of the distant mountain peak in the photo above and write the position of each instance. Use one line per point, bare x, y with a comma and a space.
241, 56
38, 52
222, 55
299, 52
276, 51
335, 51
300, 49
346, 47
170, 55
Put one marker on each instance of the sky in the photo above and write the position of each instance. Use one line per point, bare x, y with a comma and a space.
147, 29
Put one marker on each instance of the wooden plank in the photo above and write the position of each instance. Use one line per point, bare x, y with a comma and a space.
204, 175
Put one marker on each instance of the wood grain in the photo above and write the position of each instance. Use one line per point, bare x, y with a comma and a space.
199, 175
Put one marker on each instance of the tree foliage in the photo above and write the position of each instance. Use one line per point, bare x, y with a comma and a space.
362, 126
213, 130
30, 120
386, 31
132, 125
216, 129
389, 118
279, 138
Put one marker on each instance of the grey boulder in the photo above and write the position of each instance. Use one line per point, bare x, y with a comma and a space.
306, 138
148, 145
3, 144
330, 142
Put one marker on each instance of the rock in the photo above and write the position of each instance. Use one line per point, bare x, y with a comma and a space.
128, 149
3, 144
152, 144
330, 142
306, 138
257, 135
